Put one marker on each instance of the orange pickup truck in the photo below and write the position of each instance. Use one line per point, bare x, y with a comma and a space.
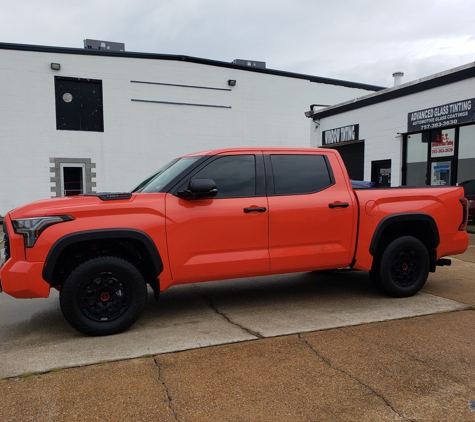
225, 214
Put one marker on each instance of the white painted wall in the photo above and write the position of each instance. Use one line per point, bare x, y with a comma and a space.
381, 123
266, 110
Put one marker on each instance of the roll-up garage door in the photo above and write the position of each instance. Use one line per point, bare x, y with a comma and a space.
353, 157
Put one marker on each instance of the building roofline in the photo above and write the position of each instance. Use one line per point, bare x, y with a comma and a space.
433, 81
174, 57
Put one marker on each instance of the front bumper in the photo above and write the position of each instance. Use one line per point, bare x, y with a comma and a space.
23, 280
18, 277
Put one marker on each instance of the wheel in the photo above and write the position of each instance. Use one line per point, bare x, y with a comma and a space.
103, 296
403, 267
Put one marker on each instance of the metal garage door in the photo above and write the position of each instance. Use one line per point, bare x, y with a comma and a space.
353, 157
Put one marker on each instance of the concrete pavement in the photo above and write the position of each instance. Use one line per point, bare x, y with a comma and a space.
414, 368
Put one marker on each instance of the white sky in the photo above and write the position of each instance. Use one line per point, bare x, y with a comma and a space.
355, 40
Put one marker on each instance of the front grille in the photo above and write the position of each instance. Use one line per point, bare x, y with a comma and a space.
6, 244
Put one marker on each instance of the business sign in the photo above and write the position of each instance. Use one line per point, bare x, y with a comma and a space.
443, 145
340, 135
441, 116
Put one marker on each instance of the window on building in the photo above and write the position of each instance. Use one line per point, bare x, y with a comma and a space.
416, 160
296, 174
72, 176
431, 156
72, 179
78, 104
466, 161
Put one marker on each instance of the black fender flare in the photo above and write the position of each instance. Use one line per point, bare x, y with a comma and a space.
101, 234
403, 218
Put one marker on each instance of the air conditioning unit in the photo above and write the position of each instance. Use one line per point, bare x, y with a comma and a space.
103, 45
250, 63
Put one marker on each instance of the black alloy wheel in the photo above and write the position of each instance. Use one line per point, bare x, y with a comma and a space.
102, 296
406, 268
105, 297
401, 270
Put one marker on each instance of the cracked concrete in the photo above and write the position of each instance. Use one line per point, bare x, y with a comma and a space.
330, 365
415, 367
167, 391
226, 317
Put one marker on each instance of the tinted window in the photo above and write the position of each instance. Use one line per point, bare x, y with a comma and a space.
295, 174
234, 175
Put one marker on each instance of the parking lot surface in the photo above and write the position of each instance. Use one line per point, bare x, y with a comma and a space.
307, 346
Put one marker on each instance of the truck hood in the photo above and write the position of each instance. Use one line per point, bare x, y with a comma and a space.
73, 205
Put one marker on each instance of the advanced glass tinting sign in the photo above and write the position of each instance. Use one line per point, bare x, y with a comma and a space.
442, 115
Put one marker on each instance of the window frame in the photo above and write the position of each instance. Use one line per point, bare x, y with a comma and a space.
259, 169
270, 174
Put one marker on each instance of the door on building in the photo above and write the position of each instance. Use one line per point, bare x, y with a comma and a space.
353, 157
381, 173
72, 178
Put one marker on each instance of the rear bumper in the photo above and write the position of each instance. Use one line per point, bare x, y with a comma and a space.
455, 244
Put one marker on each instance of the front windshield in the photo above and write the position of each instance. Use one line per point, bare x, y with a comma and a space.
168, 172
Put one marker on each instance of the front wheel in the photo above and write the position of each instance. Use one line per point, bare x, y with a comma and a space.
403, 267
103, 296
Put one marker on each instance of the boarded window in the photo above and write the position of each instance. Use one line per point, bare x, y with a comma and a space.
79, 104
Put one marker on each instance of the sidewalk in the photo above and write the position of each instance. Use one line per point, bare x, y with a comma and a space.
409, 369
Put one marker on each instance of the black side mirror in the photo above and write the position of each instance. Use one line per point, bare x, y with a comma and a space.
199, 189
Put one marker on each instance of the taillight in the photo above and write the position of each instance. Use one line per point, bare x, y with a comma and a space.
464, 223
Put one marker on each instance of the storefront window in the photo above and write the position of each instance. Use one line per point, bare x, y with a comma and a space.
416, 160
442, 149
466, 162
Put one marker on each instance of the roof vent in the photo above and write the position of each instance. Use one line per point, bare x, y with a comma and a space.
397, 78
103, 45
250, 63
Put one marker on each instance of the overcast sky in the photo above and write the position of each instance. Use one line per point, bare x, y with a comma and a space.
355, 40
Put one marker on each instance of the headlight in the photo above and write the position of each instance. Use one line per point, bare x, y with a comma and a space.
31, 228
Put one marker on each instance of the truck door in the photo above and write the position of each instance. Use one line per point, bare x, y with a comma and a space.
225, 236
312, 212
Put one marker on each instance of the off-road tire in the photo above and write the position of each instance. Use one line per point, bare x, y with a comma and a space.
402, 268
103, 296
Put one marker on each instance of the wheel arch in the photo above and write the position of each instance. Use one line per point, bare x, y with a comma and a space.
419, 225
137, 247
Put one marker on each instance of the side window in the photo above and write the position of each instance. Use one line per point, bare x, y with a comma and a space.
234, 175
296, 174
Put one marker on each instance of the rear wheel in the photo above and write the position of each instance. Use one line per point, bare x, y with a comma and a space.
403, 267
103, 296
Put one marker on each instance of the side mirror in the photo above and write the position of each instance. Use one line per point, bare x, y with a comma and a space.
199, 189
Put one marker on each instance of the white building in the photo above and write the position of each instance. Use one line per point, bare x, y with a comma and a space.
79, 120
418, 133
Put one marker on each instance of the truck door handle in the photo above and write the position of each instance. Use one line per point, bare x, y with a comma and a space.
339, 204
255, 209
